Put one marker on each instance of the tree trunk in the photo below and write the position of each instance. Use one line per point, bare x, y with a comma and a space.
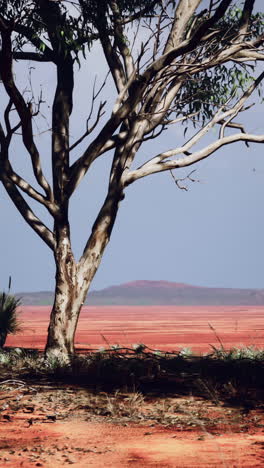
69, 298
70, 294
72, 284
73, 279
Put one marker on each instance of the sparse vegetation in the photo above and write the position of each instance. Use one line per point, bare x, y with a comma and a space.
242, 352
202, 395
235, 376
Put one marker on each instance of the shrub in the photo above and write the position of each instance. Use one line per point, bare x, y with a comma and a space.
9, 323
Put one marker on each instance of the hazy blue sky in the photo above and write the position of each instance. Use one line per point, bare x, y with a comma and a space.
211, 235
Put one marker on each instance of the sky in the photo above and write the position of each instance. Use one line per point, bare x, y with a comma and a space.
211, 235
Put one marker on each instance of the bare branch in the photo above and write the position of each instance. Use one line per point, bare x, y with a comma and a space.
23, 110
123, 93
178, 181
139, 14
99, 113
248, 55
113, 142
180, 119
90, 130
247, 12
120, 40
182, 16
6, 116
228, 123
30, 191
9, 173
27, 213
114, 63
190, 159
34, 56
98, 146
186, 45
2, 136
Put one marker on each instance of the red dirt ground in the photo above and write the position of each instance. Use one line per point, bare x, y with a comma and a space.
28, 438
159, 327
56, 427
84, 444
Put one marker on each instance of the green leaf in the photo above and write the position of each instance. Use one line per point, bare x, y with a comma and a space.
42, 47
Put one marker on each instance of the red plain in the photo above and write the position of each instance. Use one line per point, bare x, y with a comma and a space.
159, 327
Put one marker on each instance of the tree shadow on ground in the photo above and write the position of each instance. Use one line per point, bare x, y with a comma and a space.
234, 379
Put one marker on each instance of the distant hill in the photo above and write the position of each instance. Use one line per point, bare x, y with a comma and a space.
158, 293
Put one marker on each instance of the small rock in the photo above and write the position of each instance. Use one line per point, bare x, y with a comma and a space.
52, 417
7, 417
29, 409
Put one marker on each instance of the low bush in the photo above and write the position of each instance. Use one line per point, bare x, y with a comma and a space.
9, 321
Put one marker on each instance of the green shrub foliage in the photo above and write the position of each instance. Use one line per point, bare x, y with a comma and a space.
9, 322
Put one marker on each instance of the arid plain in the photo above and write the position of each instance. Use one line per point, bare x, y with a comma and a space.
159, 327
54, 427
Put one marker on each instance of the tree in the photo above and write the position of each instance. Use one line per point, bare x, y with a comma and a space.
197, 66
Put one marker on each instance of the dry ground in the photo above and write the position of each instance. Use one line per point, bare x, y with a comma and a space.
51, 425
161, 327
55, 426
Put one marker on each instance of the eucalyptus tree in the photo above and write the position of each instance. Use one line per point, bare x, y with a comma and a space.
172, 62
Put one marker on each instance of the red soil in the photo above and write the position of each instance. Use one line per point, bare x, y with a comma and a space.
102, 445
160, 327
30, 439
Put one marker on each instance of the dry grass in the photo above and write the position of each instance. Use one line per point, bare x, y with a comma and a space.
235, 377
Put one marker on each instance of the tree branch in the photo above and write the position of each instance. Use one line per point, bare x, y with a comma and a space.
35, 41
23, 110
2, 136
114, 63
101, 143
139, 14
158, 163
183, 13
28, 215
186, 45
247, 12
120, 40
29, 190
228, 123
90, 130
140, 84
34, 56
191, 158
